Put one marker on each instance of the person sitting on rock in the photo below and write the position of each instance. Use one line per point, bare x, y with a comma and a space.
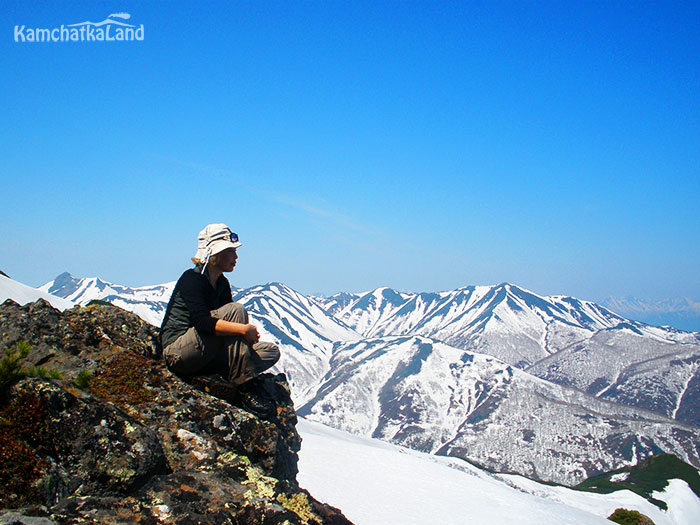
204, 332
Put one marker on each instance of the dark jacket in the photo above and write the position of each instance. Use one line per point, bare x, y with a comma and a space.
191, 303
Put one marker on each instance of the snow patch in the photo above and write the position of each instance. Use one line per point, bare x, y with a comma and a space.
622, 476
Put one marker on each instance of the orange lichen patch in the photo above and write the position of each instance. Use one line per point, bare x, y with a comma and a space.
21, 467
25, 417
23, 434
126, 380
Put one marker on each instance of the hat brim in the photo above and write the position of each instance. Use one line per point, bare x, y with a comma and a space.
217, 247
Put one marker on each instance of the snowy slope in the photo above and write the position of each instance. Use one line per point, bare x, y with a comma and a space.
431, 397
148, 302
376, 483
653, 369
304, 332
23, 294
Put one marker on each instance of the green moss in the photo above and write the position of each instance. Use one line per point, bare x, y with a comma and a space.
11, 368
299, 504
261, 486
231, 458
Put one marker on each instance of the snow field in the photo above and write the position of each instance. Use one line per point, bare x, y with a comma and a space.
374, 482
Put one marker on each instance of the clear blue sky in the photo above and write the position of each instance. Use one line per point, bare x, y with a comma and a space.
418, 145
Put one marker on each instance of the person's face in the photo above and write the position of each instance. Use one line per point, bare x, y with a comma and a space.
227, 260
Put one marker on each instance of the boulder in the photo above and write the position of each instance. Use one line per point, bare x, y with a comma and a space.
119, 439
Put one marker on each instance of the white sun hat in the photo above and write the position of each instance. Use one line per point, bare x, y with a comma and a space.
213, 239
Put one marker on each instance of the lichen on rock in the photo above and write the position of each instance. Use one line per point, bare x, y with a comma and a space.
133, 443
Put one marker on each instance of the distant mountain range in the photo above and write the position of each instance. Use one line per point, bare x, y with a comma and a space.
682, 313
148, 302
554, 388
505, 321
560, 339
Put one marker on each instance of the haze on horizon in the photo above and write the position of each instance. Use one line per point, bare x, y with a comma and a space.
423, 146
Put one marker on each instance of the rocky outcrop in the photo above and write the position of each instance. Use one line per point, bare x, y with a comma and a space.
118, 439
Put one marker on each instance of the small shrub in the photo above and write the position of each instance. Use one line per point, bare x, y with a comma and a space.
629, 517
10, 367
649, 476
99, 302
82, 380
40, 371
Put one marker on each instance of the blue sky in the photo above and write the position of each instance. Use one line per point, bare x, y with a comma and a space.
418, 145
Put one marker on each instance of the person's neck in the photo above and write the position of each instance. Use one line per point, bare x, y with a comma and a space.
213, 275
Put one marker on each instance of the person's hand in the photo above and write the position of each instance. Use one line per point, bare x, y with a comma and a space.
251, 334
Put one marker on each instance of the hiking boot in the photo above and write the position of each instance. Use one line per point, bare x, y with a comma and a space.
256, 405
216, 386
245, 396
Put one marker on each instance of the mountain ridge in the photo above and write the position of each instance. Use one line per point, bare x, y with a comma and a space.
679, 312
331, 344
559, 338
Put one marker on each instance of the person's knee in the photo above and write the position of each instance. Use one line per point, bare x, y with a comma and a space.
268, 352
234, 312
274, 354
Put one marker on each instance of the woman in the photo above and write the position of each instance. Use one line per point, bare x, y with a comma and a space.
204, 331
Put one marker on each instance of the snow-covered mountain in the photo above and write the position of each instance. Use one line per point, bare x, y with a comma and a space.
651, 368
681, 312
505, 321
148, 302
428, 396
23, 294
558, 338
452, 372
304, 332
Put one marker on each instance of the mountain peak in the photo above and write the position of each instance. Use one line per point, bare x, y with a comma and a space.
22, 294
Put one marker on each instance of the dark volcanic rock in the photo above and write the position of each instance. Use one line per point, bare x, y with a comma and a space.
135, 443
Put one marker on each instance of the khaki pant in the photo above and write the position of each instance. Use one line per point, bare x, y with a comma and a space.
232, 357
